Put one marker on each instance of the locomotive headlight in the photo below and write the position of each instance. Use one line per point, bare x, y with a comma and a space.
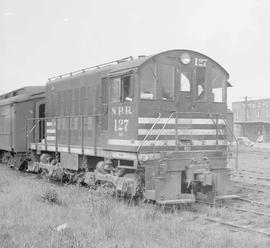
185, 58
143, 157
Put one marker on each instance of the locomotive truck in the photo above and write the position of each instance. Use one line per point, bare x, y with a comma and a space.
153, 126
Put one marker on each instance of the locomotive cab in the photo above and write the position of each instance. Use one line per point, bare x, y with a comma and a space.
182, 125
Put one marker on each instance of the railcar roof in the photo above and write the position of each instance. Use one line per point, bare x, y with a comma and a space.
22, 94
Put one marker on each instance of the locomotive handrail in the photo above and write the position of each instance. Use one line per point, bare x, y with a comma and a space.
149, 131
208, 114
70, 74
215, 122
64, 116
32, 129
234, 137
162, 129
30, 132
55, 119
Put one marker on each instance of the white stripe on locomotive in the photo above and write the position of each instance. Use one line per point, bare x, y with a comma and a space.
121, 142
180, 132
146, 120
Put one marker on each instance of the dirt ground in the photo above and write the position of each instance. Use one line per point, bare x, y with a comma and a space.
83, 218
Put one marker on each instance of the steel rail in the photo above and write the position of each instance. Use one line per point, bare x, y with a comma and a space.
240, 227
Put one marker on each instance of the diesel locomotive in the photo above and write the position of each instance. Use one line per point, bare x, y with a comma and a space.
155, 126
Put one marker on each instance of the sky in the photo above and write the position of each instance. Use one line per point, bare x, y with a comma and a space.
44, 38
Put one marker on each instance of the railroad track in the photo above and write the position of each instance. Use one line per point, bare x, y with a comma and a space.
256, 151
256, 178
241, 222
261, 175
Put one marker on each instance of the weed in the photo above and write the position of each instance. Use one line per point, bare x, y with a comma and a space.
50, 195
151, 214
67, 238
101, 207
6, 241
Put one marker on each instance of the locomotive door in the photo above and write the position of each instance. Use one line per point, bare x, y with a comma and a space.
192, 90
40, 113
185, 89
104, 102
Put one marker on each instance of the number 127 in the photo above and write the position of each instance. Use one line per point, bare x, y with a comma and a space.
121, 125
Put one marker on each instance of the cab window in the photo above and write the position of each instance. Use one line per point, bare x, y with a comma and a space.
122, 89
116, 89
167, 82
218, 86
201, 84
185, 81
127, 89
148, 82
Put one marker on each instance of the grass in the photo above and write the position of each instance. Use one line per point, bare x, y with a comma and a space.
96, 220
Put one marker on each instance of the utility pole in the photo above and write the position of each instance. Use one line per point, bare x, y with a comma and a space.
246, 108
246, 115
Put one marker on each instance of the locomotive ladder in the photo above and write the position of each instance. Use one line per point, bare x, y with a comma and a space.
236, 141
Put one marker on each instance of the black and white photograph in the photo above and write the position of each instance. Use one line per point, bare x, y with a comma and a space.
128, 124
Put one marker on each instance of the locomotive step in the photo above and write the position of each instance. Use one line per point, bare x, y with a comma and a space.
191, 154
179, 201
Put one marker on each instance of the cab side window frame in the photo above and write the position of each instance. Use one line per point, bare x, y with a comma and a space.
122, 89
148, 74
218, 86
167, 82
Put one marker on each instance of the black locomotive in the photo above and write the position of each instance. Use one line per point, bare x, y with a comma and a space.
155, 126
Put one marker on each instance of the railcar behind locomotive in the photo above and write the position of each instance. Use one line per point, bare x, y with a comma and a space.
15, 108
153, 126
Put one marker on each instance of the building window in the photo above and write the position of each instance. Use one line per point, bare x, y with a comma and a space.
258, 112
268, 110
167, 82
148, 82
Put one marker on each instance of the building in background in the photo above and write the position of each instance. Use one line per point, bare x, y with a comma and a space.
252, 119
